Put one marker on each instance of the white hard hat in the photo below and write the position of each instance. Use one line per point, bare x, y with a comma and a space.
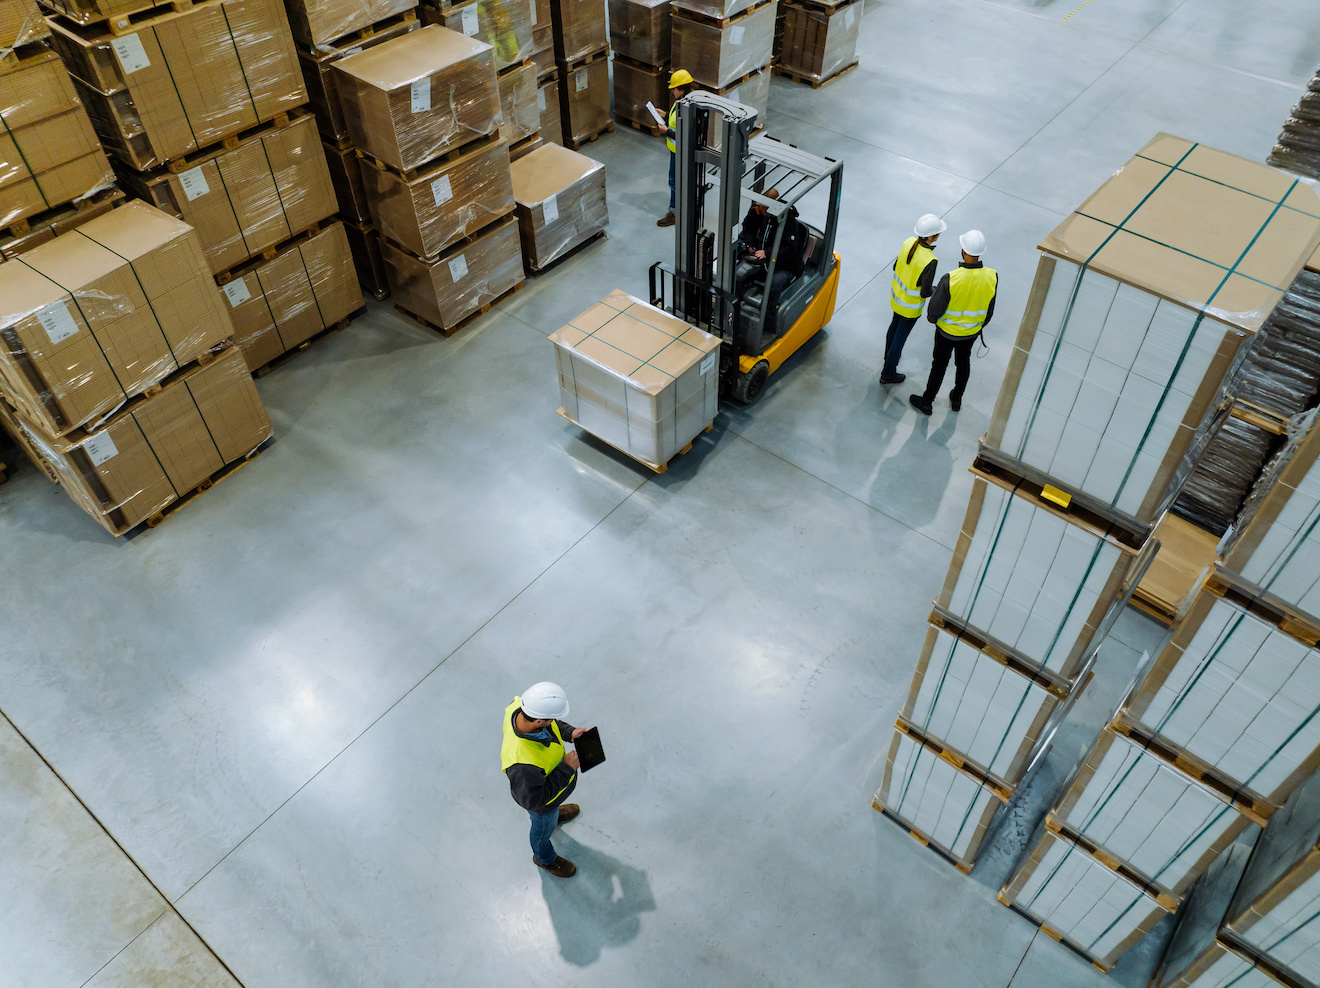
545, 701
929, 225
973, 242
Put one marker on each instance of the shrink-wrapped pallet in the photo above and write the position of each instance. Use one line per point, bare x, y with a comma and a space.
718, 9
584, 100
21, 23
349, 185
322, 82
519, 104
551, 126
560, 202
719, 54
579, 29
640, 30
505, 25
818, 43
321, 22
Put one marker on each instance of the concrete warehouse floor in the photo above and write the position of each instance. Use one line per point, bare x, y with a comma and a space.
283, 706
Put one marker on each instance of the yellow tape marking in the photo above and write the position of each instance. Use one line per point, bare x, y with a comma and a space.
1087, 4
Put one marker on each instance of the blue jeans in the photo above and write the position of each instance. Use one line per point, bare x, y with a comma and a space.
673, 158
543, 825
899, 328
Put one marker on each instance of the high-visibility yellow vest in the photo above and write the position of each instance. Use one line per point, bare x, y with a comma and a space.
673, 125
520, 751
970, 292
904, 296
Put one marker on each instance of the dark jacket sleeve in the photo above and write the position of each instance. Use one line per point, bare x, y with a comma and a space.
537, 792
748, 232
927, 280
990, 309
939, 302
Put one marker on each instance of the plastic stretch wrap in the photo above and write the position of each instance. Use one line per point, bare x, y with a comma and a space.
444, 203
715, 8
1223, 475
817, 44
349, 185
448, 289
720, 55
364, 243
1239, 695
754, 91
318, 22
9, 420
1282, 371
1298, 149
551, 126
543, 50
505, 25
49, 154
579, 28
160, 448
1097, 910
634, 87
103, 312
641, 30
561, 202
242, 200
948, 807
519, 104
584, 99
20, 23
1136, 320
280, 303
412, 98
184, 81
638, 378
322, 82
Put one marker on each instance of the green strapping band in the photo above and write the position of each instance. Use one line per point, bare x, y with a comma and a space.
239, 56
311, 285
206, 425
232, 208
142, 288
183, 109
26, 164
275, 324
279, 197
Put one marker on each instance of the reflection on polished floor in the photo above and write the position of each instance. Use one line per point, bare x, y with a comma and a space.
264, 737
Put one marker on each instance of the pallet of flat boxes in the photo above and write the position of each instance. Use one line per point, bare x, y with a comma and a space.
639, 42
423, 110
728, 46
117, 363
1134, 326
582, 59
559, 199
818, 42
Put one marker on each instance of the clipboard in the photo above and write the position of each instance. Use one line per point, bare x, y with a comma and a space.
590, 752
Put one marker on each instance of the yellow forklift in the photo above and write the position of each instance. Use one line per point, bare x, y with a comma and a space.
721, 171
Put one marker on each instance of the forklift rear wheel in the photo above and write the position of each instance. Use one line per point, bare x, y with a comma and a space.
751, 384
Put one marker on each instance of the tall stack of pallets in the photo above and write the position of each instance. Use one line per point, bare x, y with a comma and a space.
582, 58
817, 39
728, 46
640, 33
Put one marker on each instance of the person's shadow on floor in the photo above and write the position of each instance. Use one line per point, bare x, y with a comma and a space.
600, 906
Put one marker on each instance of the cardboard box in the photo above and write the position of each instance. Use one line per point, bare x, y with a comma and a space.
505, 25
444, 203
448, 289
718, 55
560, 197
242, 200
364, 244
551, 115
51, 223
543, 50
584, 100
636, 377
350, 187
1139, 313
718, 9
640, 30
519, 103
281, 303
102, 313
21, 23
322, 82
160, 448
579, 28
11, 425
634, 87
753, 91
817, 43
49, 154
412, 98
318, 22
186, 81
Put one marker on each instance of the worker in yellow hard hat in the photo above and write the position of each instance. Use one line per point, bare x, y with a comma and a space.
680, 84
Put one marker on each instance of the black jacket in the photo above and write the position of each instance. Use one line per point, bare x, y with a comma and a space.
939, 302
532, 789
758, 233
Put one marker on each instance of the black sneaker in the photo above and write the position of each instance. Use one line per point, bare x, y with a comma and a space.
920, 404
893, 378
955, 403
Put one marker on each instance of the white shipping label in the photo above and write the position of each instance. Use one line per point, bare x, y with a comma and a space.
708, 363
237, 292
194, 183
469, 20
580, 80
57, 321
540, 100
458, 268
441, 190
132, 56
533, 6
848, 17
421, 95
551, 209
100, 448
736, 34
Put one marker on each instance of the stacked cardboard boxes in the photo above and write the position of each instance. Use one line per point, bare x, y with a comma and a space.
818, 40
640, 41
582, 59
728, 46
423, 110
117, 364
559, 199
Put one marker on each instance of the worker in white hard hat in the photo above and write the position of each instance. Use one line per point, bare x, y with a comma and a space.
541, 775
680, 84
913, 283
961, 308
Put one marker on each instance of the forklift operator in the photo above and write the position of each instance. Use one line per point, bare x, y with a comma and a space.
757, 238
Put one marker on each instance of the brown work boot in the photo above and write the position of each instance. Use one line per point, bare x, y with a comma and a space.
568, 811
562, 868
666, 220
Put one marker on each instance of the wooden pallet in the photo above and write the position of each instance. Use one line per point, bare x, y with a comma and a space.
527, 145
51, 223
1259, 416
721, 22
809, 80
577, 142
289, 354
476, 144
1117, 865
230, 141
644, 127
964, 866
272, 252
1052, 933
123, 22
367, 33
585, 60
470, 317
1002, 790
1266, 607
657, 468
598, 235
174, 507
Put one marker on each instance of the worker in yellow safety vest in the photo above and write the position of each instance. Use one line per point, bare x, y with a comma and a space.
963, 303
680, 84
541, 775
913, 282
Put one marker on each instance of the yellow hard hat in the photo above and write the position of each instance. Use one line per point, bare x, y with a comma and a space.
682, 77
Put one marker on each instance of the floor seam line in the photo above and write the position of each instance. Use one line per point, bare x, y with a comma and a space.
137, 936
169, 904
337, 755
1023, 959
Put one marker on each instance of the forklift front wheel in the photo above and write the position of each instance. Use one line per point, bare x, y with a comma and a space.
751, 384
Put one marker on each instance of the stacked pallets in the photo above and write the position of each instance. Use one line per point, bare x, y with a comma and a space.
639, 41
817, 39
728, 46
582, 59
